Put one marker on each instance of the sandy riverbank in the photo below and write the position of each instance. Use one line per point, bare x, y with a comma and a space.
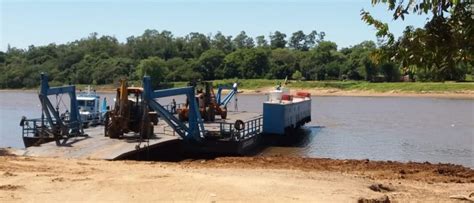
360, 93
244, 179
330, 92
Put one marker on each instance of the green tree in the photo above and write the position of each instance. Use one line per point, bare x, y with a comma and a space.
359, 64
152, 43
196, 44
277, 40
81, 72
187, 71
211, 62
255, 64
313, 38
107, 71
174, 65
155, 67
437, 8
222, 42
325, 62
297, 75
303, 42
261, 42
243, 41
282, 63
2, 57
246, 63
297, 40
442, 50
390, 72
232, 64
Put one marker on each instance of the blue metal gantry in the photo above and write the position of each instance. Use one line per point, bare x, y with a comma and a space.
194, 131
52, 125
61, 126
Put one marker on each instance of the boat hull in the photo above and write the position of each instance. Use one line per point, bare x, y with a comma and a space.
282, 118
36, 141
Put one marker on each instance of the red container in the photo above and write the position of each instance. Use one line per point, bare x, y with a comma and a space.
286, 97
303, 94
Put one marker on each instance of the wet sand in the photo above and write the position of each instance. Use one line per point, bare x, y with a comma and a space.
361, 93
244, 179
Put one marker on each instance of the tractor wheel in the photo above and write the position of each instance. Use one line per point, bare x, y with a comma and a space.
183, 115
213, 114
146, 131
111, 129
210, 114
147, 123
224, 113
150, 130
106, 124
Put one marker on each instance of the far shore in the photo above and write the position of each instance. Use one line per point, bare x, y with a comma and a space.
466, 94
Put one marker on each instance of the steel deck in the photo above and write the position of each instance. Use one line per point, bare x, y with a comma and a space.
96, 146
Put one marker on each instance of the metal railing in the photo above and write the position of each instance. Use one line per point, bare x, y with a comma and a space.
34, 127
30, 127
251, 128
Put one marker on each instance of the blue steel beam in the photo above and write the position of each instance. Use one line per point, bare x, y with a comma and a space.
61, 90
227, 98
172, 92
218, 96
74, 117
195, 125
170, 119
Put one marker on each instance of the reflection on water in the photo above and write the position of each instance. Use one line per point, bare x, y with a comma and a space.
402, 129
301, 138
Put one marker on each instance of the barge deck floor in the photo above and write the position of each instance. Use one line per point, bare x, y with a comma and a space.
97, 146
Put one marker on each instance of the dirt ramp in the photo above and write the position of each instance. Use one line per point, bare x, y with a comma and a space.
373, 169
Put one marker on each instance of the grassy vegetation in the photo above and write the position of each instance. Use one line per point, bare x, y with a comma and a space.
351, 85
470, 77
253, 84
387, 86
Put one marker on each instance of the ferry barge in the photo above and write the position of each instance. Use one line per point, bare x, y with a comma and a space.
129, 128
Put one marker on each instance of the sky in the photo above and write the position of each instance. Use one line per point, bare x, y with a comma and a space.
41, 22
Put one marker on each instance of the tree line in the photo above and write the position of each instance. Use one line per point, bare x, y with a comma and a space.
103, 59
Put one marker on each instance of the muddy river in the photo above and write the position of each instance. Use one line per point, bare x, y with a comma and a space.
378, 128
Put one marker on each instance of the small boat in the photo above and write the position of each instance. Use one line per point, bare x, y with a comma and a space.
88, 103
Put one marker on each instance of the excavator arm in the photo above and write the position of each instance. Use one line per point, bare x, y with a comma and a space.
224, 101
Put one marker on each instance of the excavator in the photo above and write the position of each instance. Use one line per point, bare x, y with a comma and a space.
130, 114
209, 103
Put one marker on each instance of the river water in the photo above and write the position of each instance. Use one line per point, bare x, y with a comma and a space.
376, 128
